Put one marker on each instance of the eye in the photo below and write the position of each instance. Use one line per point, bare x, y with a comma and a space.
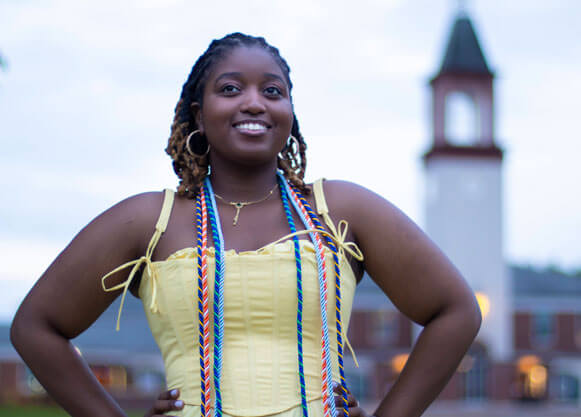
229, 89
273, 91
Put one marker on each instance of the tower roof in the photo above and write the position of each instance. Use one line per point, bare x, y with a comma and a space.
463, 53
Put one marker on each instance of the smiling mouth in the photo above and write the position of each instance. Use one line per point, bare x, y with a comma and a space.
254, 127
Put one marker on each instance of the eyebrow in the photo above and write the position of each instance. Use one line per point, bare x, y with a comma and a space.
275, 76
239, 74
228, 74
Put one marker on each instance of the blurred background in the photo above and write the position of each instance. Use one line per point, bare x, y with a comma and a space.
462, 113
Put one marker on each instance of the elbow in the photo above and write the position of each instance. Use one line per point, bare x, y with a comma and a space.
466, 316
477, 320
18, 332
472, 316
25, 331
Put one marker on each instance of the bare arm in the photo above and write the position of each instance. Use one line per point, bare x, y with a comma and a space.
423, 284
68, 298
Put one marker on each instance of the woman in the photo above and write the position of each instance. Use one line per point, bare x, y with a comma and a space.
239, 299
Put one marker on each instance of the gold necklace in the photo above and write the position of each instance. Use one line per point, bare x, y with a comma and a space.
240, 204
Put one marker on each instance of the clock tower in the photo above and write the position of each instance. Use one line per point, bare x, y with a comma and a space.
464, 182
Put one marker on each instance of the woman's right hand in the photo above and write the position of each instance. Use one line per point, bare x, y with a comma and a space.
166, 401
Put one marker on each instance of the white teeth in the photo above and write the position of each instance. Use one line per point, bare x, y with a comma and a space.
251, 126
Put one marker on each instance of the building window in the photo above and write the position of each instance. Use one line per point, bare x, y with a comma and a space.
543, 330
577, 330
565, 388
113, 378
474, 366
385, 328
461, 124
358, 385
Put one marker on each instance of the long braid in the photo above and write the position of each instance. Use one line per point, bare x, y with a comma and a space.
294, 161
192, 170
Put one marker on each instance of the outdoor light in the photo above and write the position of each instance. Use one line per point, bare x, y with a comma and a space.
534, 376
398, 362
483, 303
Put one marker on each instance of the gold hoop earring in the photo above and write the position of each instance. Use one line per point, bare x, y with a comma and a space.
188, 146
295, 150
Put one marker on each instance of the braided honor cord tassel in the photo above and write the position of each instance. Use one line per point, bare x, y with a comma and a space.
203, 311
338, 321
326, 374
218, 291
291, 222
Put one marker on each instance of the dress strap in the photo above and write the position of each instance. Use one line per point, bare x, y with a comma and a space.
320, 201
168, 199
136, 264
339, 233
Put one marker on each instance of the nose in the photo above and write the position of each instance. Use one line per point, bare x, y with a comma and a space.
253, 102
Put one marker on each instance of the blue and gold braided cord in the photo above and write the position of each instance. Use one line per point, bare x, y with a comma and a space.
218, 291
293, 229
200, 305
338, 321
329, 403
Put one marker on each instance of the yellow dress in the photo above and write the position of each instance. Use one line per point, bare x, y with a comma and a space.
260, 366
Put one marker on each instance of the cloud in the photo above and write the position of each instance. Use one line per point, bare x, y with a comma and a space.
86, 107
23, 261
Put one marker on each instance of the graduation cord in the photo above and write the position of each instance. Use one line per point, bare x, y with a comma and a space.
291, 222
337, 274
329, 409
218, 291
203, 311
206, 208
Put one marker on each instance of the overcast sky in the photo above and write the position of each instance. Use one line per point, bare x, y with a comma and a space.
87, 99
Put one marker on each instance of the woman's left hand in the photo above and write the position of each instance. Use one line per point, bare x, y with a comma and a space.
354, 409
166, 401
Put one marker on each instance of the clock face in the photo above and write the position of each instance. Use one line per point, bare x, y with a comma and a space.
461, 123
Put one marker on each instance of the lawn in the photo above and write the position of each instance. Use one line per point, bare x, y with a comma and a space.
34, 411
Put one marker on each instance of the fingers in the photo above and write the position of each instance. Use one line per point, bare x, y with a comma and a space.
168, 395
353, 412
338, 390
354, 409
352, 403
166, 401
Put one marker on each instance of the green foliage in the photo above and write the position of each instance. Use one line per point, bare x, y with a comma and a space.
31, 411
39, 411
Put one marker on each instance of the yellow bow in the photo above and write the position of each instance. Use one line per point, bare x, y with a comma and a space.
127, 283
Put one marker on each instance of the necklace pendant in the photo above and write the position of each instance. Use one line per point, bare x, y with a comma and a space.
238, 207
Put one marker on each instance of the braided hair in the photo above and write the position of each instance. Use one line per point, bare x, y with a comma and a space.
192, 169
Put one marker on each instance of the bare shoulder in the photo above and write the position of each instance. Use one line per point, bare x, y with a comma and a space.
118, 235
357, 204
140, 209
399, 257
342, 192
134, 218
379, 227
138, 206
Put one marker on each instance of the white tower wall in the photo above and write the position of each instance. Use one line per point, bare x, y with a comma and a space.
464, 218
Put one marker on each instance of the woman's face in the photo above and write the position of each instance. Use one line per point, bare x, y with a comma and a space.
247, 112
